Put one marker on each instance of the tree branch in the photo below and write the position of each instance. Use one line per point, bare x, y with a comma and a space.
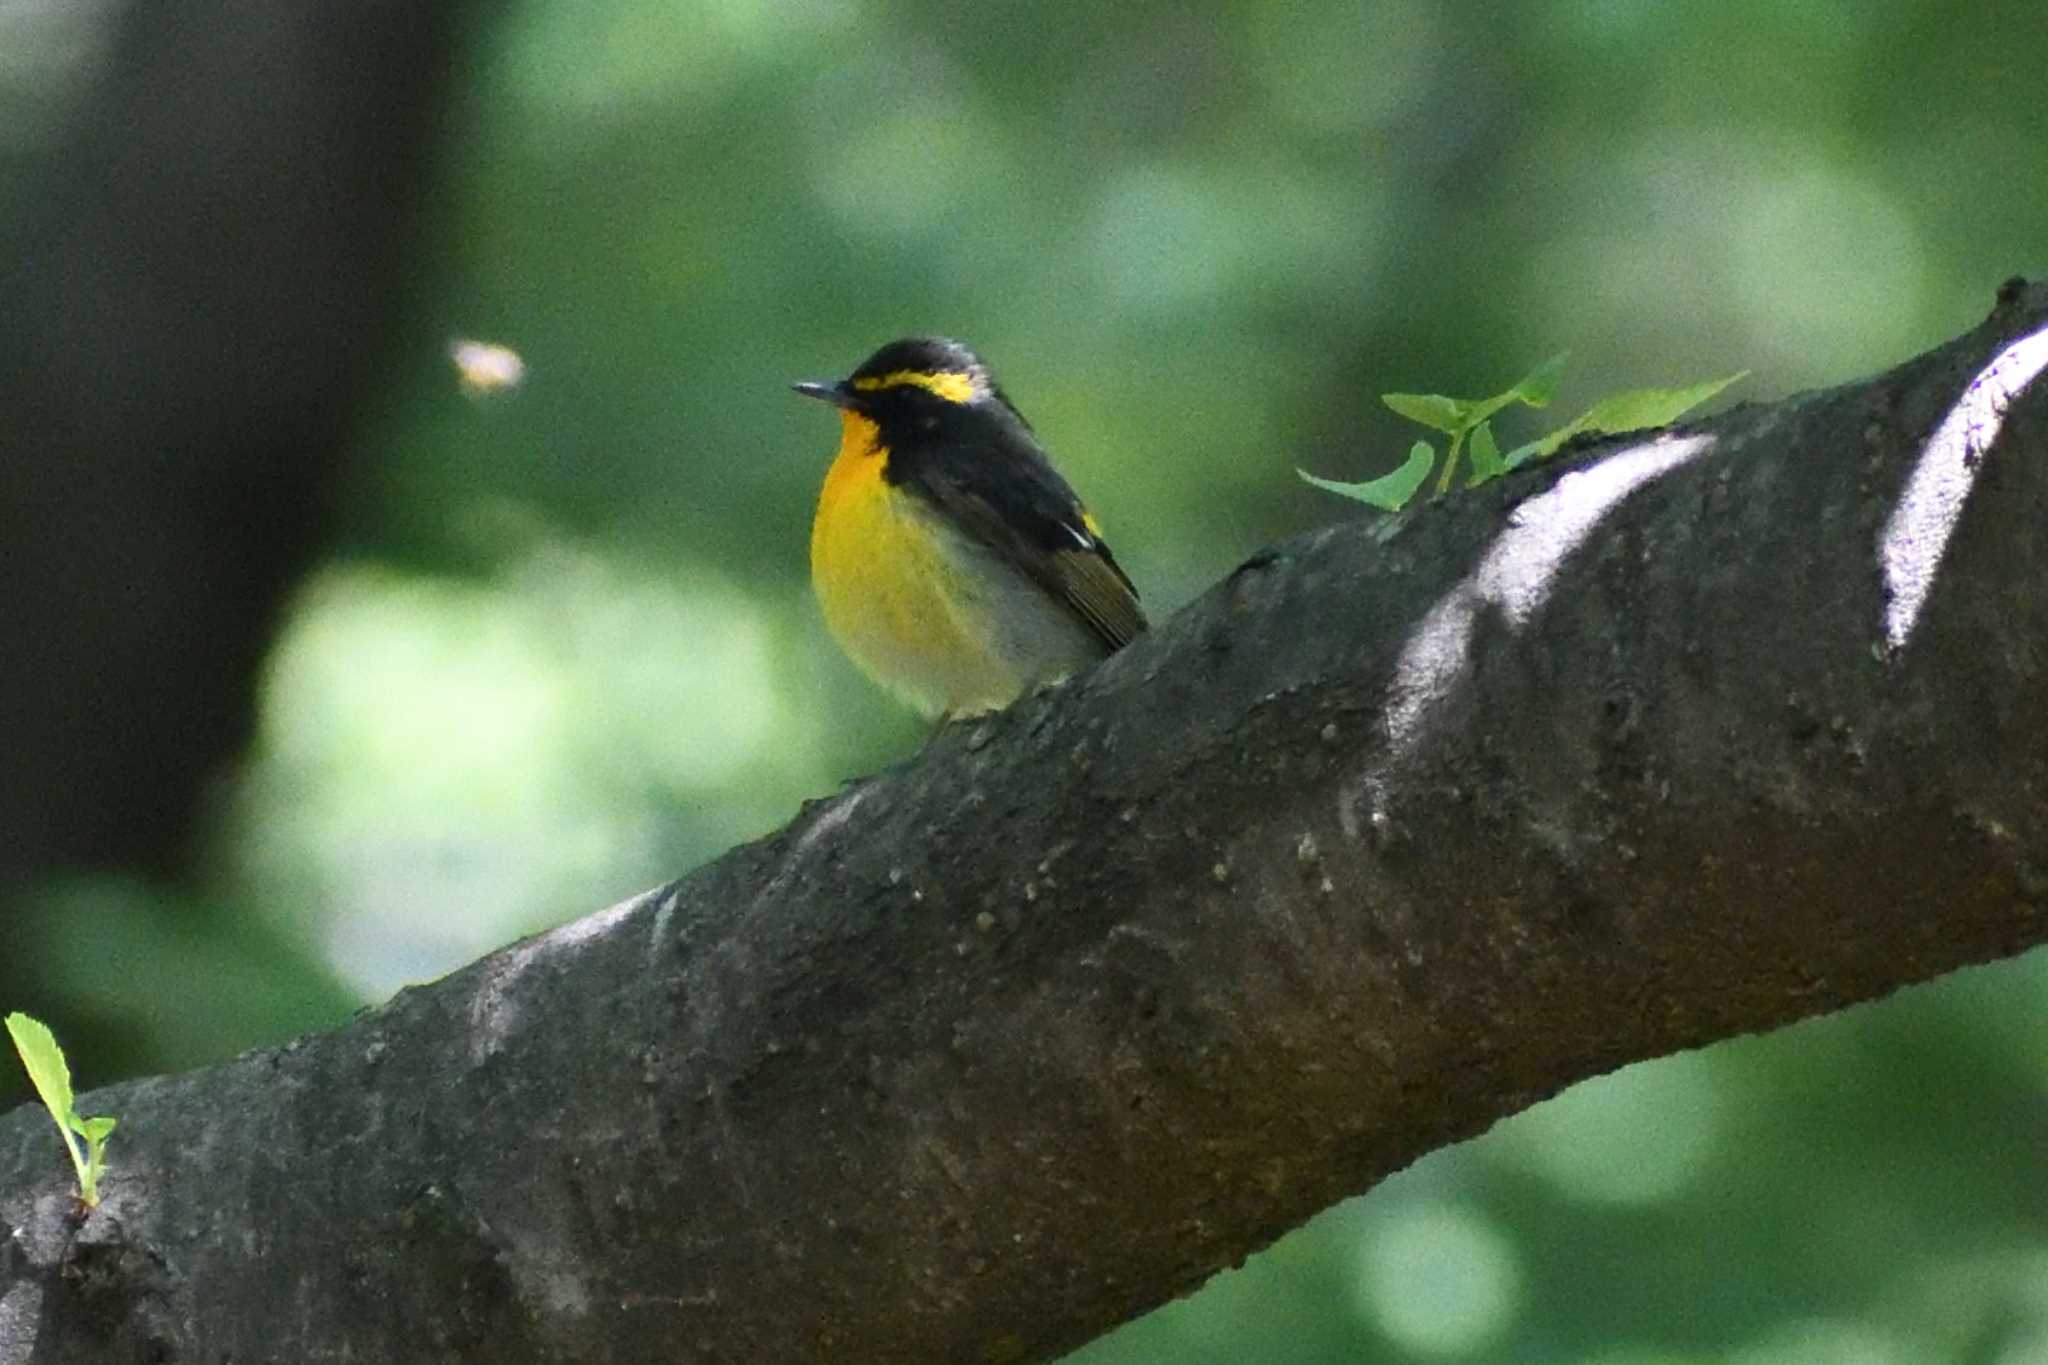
1372, 846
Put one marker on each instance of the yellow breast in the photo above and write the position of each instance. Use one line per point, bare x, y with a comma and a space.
917, 608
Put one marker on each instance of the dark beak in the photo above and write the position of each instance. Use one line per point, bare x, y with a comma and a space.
837, 394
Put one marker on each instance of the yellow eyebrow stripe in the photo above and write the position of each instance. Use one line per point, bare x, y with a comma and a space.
955, 386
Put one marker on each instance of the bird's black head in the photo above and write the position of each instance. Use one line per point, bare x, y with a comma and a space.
919, 382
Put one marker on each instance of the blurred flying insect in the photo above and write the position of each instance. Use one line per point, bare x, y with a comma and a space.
485, 367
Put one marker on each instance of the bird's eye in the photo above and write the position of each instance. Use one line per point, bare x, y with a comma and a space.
929, 422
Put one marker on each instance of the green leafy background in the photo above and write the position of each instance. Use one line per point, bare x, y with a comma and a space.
568, 649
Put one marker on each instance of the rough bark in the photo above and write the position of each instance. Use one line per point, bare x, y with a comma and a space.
1375, 844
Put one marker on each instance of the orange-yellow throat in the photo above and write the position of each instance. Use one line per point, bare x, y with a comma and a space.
920, 607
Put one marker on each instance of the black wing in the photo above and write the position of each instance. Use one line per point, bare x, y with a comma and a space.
1007, 495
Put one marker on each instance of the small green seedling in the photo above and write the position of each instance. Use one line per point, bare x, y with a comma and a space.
1468, 422
51, 1076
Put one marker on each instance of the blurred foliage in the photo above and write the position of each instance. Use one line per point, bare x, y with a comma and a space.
569, 650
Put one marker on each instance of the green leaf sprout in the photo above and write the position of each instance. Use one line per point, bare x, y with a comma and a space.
51, 1076
1468, 422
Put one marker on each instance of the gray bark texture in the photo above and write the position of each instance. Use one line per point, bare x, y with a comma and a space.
1385, 838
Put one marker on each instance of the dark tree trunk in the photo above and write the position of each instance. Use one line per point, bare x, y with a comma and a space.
201, 267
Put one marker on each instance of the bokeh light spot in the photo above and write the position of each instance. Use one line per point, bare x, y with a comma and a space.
446, 763
1634, 1137
1439, 1279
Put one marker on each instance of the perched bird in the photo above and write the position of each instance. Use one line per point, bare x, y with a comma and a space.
954, 565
